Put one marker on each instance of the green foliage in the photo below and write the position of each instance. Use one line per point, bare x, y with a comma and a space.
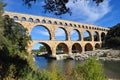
113, 37
42, 49
91, 70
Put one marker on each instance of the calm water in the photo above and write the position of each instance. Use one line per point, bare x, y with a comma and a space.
111, 68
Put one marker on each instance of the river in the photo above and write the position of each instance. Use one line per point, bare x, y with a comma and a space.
111, 68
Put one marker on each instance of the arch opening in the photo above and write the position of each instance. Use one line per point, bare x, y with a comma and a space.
75, 35
88, 47
96, 36
60, 34
97, 46
76, 48
23, 19
40, 32
62, 48
41, 49
30, 20
102, 36
37, 20
87, 36
15, 18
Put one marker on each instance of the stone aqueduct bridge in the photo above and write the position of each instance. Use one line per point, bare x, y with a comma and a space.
51, 24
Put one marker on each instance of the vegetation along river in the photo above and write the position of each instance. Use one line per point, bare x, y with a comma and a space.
111, 68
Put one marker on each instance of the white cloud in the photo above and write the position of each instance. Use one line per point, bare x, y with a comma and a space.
59, 32
88, 11
41, 32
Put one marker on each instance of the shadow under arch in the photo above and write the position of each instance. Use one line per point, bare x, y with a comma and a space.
88, 47
76, 48
62, 48
87, 35
40, 32
47, 49
96, 36
102, 36
61, 34
75, 35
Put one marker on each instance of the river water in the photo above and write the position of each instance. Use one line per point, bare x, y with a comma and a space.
111, 68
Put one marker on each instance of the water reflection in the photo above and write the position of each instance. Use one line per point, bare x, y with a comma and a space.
111, 68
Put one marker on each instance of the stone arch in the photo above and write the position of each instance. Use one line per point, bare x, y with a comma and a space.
44, 33
48, 48
96, 36
15, 18
87, 35
65, 24
102, 36
62, 48
55, 22
60, 23
30, 20
43, 21
75, 35
97, 46
23, 19
49, 22
71, 24
37, 20
76, 48
88, 47
59, 34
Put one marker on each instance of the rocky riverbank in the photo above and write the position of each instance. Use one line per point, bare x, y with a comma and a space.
100, 54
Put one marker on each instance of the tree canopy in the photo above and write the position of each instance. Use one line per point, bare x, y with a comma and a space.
113, 37
58, 7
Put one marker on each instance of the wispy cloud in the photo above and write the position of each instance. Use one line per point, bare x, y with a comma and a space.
88, 11
59, 32
45, 33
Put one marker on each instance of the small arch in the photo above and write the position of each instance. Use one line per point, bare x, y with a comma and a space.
79, 26
37, 20
90, 27
15, 18
62, 48
88, 47
86, 27
55, 22
70, 24
75, 25
75, 35
43, 21
76, 48
87, 36
30, 20
65, 24
49, 22
82, 26
97, 46
23, 19
96, 36
60, 23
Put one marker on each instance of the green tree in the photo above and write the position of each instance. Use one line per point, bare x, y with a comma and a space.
91, 70
42, 49
112, 39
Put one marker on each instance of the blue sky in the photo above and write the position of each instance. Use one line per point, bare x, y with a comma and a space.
106, 14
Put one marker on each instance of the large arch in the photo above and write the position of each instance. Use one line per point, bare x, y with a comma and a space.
60, 34
76, 48
75, 35
88, 47
40, 32
97, 46
39, 45
87, 36
62, 48
96, 36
